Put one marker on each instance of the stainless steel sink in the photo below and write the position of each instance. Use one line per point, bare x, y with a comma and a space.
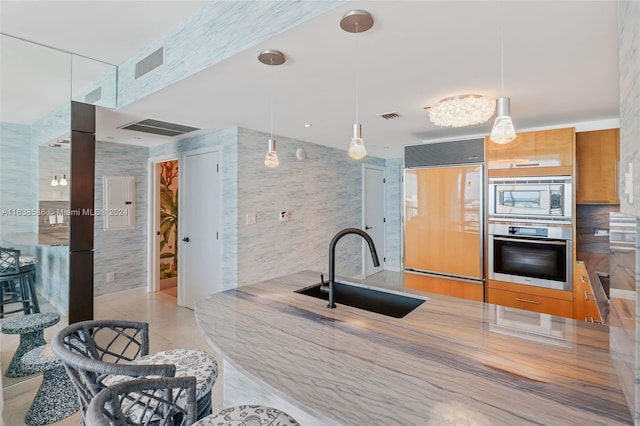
372, 300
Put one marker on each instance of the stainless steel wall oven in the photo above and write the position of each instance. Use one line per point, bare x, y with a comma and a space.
533, 255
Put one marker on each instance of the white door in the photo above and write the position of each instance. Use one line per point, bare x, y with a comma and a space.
200, 212
373, 215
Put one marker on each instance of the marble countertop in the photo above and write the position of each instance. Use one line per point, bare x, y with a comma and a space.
450, 361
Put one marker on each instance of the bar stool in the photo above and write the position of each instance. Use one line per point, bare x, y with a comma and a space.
56, 398
17, 282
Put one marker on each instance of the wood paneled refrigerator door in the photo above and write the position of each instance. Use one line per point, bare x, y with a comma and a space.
443, 220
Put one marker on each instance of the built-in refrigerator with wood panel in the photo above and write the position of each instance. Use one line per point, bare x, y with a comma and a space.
443, 218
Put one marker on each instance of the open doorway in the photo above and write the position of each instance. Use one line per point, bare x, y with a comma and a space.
165, 258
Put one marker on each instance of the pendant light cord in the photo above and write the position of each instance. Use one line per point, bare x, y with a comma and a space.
271, 105
357, 74
502, 49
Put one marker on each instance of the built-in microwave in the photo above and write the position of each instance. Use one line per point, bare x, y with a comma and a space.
546, 198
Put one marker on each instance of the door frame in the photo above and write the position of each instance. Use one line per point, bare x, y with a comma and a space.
153, 277
365, 247
181, 202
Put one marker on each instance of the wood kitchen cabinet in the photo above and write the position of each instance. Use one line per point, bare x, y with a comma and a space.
597, 157
448, 287
585, 306
541, 153
537, 299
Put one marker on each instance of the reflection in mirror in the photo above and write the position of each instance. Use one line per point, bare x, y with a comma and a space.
35, 179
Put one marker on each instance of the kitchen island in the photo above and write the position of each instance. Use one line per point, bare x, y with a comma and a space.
450, 361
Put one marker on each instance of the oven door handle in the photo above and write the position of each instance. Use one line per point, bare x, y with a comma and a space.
518, 240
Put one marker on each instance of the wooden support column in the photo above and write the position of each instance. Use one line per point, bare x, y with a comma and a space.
83, 161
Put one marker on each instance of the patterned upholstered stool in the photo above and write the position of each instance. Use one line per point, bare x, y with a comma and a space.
30, 328
188, 362
249, 415
56, 398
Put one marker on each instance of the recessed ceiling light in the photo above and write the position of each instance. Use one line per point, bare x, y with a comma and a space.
308, 124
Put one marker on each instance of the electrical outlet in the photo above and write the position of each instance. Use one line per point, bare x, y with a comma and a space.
111, 276
284, 216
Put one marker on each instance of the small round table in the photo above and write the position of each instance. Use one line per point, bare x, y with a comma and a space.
56, 398
31, 330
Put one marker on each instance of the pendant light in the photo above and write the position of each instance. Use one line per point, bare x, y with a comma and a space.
54, 181
63, 181
271, 57
356, 21
503, 131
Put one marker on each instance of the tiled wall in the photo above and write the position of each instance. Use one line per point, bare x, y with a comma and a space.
323, 194
226, 141
122, 251
629, 36
393, 172
218, 31
18, 186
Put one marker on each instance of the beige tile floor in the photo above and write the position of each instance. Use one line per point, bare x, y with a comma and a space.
171, 326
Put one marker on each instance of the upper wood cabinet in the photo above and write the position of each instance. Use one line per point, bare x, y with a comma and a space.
541, 153
597, 157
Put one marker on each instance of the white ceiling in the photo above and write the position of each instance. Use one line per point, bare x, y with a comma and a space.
560, 67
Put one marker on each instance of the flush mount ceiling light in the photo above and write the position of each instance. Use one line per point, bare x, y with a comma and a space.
462, 110
503, 131
356, 21
271, 57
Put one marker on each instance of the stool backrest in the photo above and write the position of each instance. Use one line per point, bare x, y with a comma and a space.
91, 351
9, 261
145, 402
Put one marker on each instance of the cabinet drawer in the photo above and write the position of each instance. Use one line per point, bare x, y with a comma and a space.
448, 287
531, 302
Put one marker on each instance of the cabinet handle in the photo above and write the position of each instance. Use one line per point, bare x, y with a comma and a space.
594, 201
527, 165
582, 279
527, 301
586, 296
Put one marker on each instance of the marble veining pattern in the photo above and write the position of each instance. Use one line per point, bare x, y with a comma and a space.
121, 251
218, 31
441, 364
323, 195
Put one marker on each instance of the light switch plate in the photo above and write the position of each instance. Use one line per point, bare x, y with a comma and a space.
251, 218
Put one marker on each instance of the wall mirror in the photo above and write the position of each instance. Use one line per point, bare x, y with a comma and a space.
37, 86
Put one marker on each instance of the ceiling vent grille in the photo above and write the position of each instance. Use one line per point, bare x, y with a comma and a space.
158, 127
93, 96
388, 115
150, 63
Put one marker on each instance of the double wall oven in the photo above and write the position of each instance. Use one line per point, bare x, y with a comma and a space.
530, 232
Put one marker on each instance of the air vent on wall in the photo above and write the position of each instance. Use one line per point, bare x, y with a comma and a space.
150, 63
93, 96
388, 115
158, 127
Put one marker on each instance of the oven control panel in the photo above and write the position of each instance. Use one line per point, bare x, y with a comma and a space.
555, 232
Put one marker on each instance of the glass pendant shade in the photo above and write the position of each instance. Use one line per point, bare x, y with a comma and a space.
271, 160
63, 181
503, 131
357, 150
54, 181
